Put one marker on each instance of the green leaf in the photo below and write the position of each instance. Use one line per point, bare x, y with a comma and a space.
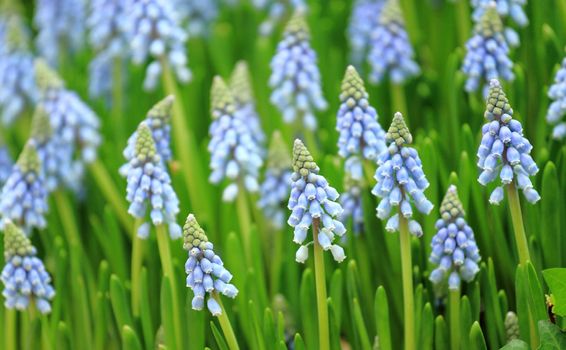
299, 343
167, 312
130, 340
218, 337
440, 334
120, 302
477, 340
551, 338
381, 309
427, 328
516, 344
551, 208
556, 280
360, 325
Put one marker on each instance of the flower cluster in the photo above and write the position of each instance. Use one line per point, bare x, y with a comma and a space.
313, 202
363, 20
505, 8
454, 247
487, 52
276, 10
5, 164
356, 121
205, 270
17, 82
274, 189
61, 26
24, 276
400, 179
391, 51
149, 184
241, 87
295, 78
351, 201
235, 154
75, 126
197, 15
557, 108
504, 151
107, 37
52, 155
24, 196
154, 31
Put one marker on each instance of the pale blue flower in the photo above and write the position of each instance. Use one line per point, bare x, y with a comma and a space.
197, 15
351, 201
557, 108
6, 164
364, 18
505, 8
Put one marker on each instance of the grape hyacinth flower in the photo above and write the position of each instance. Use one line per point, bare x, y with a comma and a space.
361, 136
400, 179
295, 78
276, 10
313, 203
557, 108
391, 51
235, 155
505, 8
454, 248
351, 201
205, 270
149, 185
487, 55
75, 125
275, 188
241, 87
17, 82
197, 15
61, 27
154, 31
363, 20
24, 196
24, 276
6, 164
504, 152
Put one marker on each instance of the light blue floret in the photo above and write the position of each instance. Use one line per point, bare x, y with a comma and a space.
363, 20
295, 78
197, 15
557, 108
351, 201
505, 8
276, 11
6, 164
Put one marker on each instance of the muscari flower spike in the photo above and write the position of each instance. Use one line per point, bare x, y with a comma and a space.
557, 108
391, 51
205, 270
154, 31
505, 8
24, 195
503, 150
454, 247
361, 136
363, 20
241, 87
61, 27
24, 276
295, 78
149, 185
6, 164
197, 15
235, 154
75, 126
17, 82
313, 202
276, 10
400, 179
351, 201
487, 55
274, 189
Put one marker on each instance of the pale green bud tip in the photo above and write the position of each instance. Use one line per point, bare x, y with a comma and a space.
398, 131
221, 98
303, 162
28, 161
162, 109
353, 85
451, 207
279, 157
240, 83
15, 241
490, 22
145, 145
41, 129
45, 76
297, 25
193, 234
497, 104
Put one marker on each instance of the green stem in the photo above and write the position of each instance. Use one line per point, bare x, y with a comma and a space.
137, 261
109, 190
321, 298
225, 325
244, 219
463, 19
454, 295
118, 98
167, 265
10, 328
519, 228
46, 341
276, 261
410, 14
406, 267
398, 99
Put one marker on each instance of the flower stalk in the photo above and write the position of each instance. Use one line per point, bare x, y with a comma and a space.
321, 297
137, 261
225, 325
518, 226
454, 300
407, 273
244, 219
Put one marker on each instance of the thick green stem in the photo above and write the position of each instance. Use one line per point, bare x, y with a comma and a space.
137, 261
519, 228
225, 325
321, 298
10, 329
454, 295
244, 219
398, 99
407, 272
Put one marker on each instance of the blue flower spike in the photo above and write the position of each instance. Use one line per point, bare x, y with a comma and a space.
364, 18
400, 179
361, 136
235, 154
313, 203
24, 277
205, 270
505, 8
49, 150
504, 152
391, 51
197, 16
295, 78
274, 190
557, 108
149, 186
24, 195
454, 248
6, 164
351, 201
487, 55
